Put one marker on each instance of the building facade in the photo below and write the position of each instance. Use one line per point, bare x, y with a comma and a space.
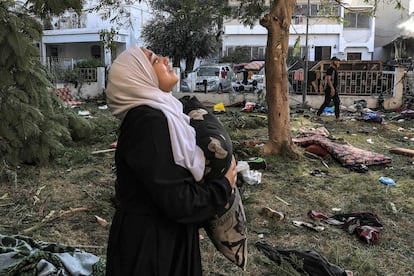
71, 37
394, 40
321, 35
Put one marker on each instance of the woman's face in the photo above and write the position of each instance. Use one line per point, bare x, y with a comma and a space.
166, 75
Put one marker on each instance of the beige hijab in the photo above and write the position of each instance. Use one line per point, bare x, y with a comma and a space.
132, 82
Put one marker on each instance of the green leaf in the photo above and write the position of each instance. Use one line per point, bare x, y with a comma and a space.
18, 43
4, 54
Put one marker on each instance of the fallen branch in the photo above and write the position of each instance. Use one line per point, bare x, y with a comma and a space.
88, 246
51, 217
285, 202
6, 205
103, 151
312, 155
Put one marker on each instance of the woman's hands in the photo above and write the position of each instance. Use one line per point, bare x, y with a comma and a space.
231, 173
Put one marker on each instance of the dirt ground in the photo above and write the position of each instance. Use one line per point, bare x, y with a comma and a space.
61, 202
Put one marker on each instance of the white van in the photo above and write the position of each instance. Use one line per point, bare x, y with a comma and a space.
214, 78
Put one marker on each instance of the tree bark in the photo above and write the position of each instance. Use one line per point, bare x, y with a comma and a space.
189, 64
277, 23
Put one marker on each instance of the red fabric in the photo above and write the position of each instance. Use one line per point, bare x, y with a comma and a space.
66, 95
317, 149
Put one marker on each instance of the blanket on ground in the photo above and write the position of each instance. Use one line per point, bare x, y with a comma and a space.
23, 256
347, 155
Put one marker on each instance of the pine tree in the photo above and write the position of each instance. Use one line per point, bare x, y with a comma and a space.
34, 123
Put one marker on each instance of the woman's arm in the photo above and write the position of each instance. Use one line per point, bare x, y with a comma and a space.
172, 188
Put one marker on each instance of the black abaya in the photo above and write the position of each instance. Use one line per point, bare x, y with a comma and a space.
161, 207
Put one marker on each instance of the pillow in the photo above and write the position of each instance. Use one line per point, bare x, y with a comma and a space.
211, 137
317, 149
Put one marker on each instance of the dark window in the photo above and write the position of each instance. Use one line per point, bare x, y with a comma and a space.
54, 51
353, 56
96, 51
322, 53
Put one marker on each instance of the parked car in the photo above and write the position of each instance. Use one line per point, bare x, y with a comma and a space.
214, 78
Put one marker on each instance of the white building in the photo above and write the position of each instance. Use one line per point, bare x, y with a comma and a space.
72, 37
351, 39
394, 31
358, 37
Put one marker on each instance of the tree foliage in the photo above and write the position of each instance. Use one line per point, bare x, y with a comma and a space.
185, 30
34, 123
46, 8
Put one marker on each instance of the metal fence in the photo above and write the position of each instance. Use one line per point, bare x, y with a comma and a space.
352, 83
64, 70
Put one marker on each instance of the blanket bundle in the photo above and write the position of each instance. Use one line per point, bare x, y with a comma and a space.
346, 154
23, 256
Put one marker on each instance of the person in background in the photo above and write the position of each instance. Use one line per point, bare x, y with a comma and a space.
161, 202
331, 92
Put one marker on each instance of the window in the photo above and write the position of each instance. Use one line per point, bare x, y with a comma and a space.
246, 52
317, 10
359, 20
322, 53
54, 51
257, 52
96, 51
353, 56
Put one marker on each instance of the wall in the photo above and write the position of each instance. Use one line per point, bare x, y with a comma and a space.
88, 90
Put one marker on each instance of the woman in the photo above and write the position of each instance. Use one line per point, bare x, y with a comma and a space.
161, 202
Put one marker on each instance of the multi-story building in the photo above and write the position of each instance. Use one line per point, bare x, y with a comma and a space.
321, 35
73, 37
324, 34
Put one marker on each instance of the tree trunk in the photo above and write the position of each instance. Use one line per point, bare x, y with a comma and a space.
189, 64
277, 23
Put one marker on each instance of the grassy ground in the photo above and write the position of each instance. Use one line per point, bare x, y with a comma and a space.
33, 200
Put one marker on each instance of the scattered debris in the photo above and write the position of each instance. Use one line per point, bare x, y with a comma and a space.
319, 173
360, 168
282, 200
253, 143
387, 181
308, 225
391, 205
270, 213
103, 151
365, 225
53, 216
257, 163
102, 222
251, 177
311, 262
402, 151
65, 95
312, 131
84, 112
